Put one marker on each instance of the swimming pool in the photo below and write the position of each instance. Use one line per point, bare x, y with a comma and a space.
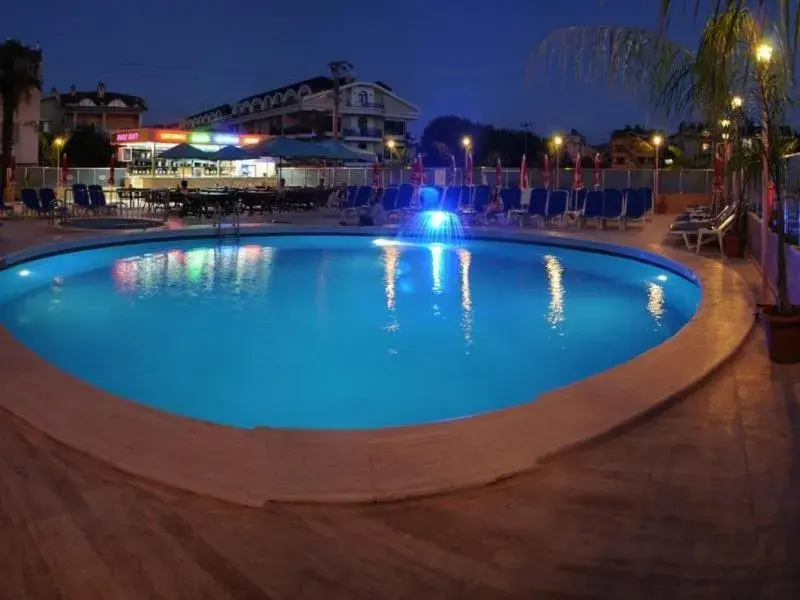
339, 332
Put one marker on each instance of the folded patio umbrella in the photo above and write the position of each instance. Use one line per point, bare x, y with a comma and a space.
185, 152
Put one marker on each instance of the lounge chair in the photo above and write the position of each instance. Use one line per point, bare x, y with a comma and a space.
693, 232
31, 202
512, 198
97, 199
403, 201
481, 197
389, 199
451, 200
557, 203
430, 198
613, 206
635, 207
350, 196
648, 199
5, 208
80, 198
716, 232
537, 206
361, 199
593, 206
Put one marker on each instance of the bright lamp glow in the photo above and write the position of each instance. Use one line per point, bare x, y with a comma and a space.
658, 140
437, 219
558, 140
764, 52
736, 102
466, 141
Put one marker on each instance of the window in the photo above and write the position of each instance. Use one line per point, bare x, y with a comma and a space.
86, 102
363, 98
362, 125
117, 103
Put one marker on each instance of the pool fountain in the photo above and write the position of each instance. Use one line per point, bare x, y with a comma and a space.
433, 227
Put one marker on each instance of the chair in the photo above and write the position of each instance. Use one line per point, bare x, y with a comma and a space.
613, 206
403, 201
557, 203
481, 197
80, 198
693, 232
31, 202
648, 198
577, 201
5, 208
512, 198
593, 206
97, 198
715, 232
350, 196
389, 199
430, 197
537, 206
451, 200
635, 207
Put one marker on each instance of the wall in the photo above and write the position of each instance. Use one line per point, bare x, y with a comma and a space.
26, 119
792, 256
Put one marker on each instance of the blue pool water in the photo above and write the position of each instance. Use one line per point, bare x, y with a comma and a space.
337, 332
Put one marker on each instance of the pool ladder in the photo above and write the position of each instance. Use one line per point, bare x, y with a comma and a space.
219, 221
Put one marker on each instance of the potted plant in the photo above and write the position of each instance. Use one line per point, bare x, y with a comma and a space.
781, 319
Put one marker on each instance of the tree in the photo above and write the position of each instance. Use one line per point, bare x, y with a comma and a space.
487, 142
338, 69
88, 147
19, 77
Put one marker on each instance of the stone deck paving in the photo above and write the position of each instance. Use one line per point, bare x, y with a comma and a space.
702, 501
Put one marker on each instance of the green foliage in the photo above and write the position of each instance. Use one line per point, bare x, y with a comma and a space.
443, 136
19, 76
88, 147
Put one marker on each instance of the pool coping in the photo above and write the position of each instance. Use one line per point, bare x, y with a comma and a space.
253, 467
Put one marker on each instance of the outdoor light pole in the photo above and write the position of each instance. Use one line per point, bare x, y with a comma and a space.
526, 127
58, 143
657, 141
466, 141
390, 144
558, 141
764, 56
738, 141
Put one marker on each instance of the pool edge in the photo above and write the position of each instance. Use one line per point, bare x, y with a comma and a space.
253, 467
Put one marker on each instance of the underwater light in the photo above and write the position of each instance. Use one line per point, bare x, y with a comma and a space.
662, 277
24, 273
436, 218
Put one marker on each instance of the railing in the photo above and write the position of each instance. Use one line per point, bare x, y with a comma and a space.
696, 181
378, 105
367, 132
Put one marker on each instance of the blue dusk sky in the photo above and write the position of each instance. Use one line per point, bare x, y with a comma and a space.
460, 57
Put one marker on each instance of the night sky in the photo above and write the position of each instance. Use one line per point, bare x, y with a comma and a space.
459, 57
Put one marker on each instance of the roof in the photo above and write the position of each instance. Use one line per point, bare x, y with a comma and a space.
315, 84
225, 109
71, 98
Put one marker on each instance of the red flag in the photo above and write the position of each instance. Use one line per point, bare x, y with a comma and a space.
418, 172
376, 174
468, 169
523, 173
112, 164
597, 170
577, 182
64, 169
719, 170
498, 174
546, 172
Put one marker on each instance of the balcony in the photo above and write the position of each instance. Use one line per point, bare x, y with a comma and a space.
377, 105
364, 132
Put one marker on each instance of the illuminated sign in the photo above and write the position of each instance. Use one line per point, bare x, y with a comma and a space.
127, 136
172, 136
225, 139
199, 138
250, 140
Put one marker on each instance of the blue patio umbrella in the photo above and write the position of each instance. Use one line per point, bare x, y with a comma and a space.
231, 153
184, 152
337, 150
283, 147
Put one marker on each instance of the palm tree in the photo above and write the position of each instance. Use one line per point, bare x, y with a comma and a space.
19, 76
338, 69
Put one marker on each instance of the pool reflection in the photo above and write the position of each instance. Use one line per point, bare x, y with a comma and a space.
555, 272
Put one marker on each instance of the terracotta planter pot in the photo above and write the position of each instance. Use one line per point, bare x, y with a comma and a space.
733, 245
783, 336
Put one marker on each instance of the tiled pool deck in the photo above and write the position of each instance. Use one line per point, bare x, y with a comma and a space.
701, 501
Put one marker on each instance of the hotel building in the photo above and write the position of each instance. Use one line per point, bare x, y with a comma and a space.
109, 111
371, 113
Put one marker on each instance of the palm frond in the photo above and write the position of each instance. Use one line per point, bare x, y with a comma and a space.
633, 59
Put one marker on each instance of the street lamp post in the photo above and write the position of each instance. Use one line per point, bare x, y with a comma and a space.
526, 127
558, 141
466, 141
391, 144
657, 141
764, 56
58, 143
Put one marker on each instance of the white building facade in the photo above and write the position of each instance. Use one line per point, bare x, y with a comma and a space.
372, 116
